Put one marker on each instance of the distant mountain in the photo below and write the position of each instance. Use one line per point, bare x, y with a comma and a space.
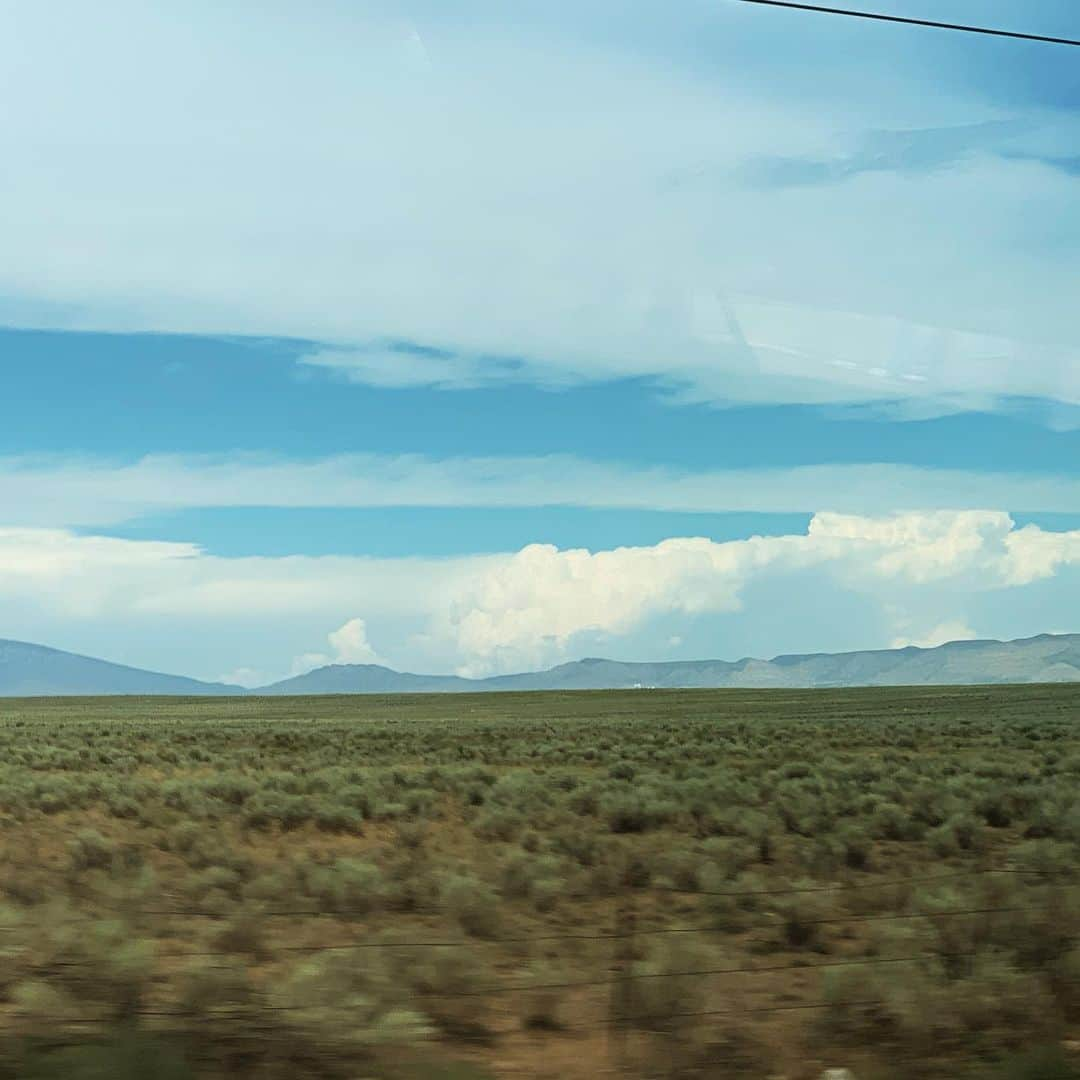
373, 679
36, 671
1046, 658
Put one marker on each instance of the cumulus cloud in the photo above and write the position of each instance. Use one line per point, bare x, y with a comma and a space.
531, 609
349, 645
920, 548
510, 611
954, 630
243, 676
1034, 553
919, 571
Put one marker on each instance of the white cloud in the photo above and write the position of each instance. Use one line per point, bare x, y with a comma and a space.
530, 609
921, 547
1034, 553
306, 662
408, 368
243, 676
52, 492
953, 630
513, 611
349, 645
596, 202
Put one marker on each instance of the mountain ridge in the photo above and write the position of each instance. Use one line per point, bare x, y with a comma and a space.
1044, 657
28, 670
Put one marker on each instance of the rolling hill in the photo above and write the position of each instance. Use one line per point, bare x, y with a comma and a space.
1046, 658
36, 671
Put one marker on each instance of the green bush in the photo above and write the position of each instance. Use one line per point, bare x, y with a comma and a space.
243, 933
735, 905
335, 818
101, 965
91, 851
499, 823
543, 1006
445, 985
537, 879
919, 1006
893, 822
725, 858
267, 809
801, 918
472, 903
347, 885
210, 988
1049, 858
337, 1005
854, 845
628, 812
658, 993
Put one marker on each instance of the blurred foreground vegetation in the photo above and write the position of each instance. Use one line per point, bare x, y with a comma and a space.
365, 886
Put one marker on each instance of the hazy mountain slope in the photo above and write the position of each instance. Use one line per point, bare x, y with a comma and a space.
367, 679
1047, 658
33, 670
37, 671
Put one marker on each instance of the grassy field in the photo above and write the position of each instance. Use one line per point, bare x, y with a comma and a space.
646, 883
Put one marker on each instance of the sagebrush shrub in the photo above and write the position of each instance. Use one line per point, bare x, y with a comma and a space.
663, 987
347, 885
91, 851
472, 903
802, 917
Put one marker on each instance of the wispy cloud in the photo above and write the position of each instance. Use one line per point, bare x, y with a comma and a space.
96, 493
403, 366
504, 192
914, 151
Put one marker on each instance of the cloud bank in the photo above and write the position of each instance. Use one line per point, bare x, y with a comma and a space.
65, 492
559, 198
918, 572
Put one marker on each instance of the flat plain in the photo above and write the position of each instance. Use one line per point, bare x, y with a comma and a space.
640, 883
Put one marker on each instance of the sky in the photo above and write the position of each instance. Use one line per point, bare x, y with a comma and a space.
480, 337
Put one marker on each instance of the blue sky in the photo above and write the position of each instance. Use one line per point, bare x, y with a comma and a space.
469, 337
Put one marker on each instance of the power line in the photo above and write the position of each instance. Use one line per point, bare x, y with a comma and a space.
128, 910
473, 943
248, 1012
848, 886
528, 939
245, 1014
919, 915
769, 969
876, 16
522, 987
760, 1009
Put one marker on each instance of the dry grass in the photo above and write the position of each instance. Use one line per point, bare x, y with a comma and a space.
482, 818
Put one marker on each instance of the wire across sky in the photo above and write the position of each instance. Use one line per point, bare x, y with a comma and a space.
877, 16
